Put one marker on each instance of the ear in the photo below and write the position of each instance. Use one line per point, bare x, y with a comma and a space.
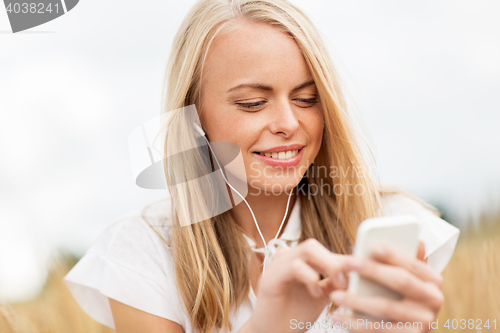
421, 251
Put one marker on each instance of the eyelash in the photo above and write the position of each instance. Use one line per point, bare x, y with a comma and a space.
258, 104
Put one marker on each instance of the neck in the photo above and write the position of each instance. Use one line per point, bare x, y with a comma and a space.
269, 211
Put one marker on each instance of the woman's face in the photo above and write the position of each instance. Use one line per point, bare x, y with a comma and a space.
258, 93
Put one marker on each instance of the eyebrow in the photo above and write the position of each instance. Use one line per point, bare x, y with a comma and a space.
269, 88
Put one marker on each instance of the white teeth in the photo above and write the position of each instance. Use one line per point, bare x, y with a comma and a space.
282, 155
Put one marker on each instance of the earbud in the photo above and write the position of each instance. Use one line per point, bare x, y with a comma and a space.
198, 129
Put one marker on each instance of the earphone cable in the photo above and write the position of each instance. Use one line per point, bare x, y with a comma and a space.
251, 211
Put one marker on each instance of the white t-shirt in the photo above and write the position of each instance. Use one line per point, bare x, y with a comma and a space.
130, 263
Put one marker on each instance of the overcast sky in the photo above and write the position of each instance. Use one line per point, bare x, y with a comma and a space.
425, 76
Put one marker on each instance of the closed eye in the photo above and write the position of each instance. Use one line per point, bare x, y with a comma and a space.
307, 102
304, 103
250, 106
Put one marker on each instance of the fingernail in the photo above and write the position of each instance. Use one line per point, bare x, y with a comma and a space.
341, 279
337, 296
336, 317
319, 292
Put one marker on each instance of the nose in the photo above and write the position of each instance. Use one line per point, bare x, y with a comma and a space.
285, 120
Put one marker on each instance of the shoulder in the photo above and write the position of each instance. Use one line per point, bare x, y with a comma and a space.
131, 263
144, 232
438, 236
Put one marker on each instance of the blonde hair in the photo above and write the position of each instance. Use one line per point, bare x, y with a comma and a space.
211, 257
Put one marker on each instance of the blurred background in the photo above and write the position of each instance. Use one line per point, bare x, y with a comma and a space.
424, 75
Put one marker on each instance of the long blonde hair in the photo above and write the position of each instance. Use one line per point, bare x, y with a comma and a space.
211, 257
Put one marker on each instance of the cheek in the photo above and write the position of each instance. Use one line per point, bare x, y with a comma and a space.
236, 130
320, 123
314, 124
220, 126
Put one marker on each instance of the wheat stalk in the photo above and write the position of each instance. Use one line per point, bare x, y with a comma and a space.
8, 314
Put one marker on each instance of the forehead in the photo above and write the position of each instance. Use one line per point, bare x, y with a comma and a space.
254, 52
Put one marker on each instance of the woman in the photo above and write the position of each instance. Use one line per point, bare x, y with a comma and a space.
261, 79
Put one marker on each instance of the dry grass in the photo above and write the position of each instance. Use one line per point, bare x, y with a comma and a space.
472, 291
53, 311
472, 280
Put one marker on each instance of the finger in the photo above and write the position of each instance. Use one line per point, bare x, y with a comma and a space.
354, 324
417, 267
421, 251
328, 286
400, 280
384, 308
282, 252
308, 276
324, 261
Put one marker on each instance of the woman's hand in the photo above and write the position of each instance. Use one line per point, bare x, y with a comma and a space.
291, 292
411, 277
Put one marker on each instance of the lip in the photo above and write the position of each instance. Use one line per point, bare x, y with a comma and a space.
296, 146
276, 162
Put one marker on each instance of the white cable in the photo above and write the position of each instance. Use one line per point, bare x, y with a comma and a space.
281, 225
251, 211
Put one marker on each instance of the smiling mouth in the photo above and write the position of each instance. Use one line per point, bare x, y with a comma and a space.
282, 155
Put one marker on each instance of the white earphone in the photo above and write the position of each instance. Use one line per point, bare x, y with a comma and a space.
198, 129
203, 134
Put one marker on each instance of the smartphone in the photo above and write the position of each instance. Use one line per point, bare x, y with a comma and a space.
397, 232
